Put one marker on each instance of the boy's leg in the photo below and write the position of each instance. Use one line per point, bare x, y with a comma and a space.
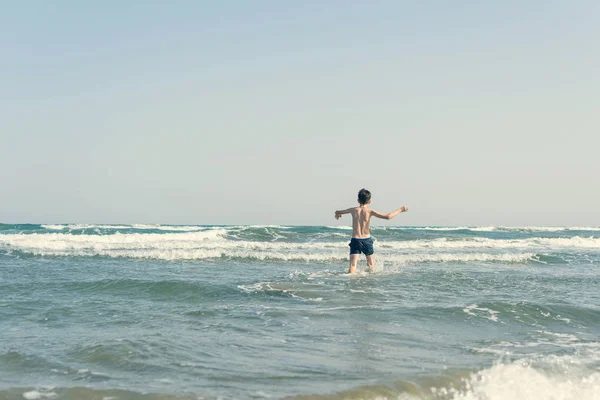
353, 262
371, 262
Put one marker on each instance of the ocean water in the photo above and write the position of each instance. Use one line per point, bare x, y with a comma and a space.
268, 312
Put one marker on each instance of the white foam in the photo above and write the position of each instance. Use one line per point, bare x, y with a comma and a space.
75, 227
564, 336
583, 228
264, 226
201, 254
212, 243
493, 228
35, 394
461, 257
178, 240
54, 227
483, 228
487, 313
132, 240
168, 227
520, 380
192, 228
443, 228
534, 228
292, 290
556, 317
472, 243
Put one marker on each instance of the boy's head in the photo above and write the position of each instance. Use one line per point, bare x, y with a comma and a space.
364, 196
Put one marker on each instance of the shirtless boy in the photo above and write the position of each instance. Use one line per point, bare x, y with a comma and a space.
361, 241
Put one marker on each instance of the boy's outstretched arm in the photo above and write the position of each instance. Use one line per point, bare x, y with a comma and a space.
390, 215
339, 213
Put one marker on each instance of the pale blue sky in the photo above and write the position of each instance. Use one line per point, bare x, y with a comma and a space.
278, 112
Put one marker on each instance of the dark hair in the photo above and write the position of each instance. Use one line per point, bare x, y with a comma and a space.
363, 196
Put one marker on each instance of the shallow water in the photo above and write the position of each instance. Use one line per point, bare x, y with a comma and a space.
152, 311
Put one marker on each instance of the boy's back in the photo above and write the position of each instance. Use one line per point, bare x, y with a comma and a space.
361, 222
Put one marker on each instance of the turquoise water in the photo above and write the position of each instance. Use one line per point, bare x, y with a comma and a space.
240, 312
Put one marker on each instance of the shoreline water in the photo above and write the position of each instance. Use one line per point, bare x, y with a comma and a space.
155, 311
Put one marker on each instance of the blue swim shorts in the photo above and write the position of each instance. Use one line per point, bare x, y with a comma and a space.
358, 246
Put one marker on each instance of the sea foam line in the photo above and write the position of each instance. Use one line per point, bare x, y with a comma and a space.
183, 228
131, 240
491, 228
76, 227
212, 238
170, 252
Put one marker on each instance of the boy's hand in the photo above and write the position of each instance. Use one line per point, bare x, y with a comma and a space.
404, 209
338, 216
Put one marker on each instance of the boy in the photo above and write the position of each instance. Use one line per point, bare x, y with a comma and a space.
361, 228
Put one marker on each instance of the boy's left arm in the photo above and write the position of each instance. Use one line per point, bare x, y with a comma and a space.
339, 213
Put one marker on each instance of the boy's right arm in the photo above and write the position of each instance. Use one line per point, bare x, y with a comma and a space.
390, 215
339, 213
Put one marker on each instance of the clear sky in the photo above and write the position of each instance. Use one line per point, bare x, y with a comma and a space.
278, 112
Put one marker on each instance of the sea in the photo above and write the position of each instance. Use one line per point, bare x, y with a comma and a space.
113, 312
